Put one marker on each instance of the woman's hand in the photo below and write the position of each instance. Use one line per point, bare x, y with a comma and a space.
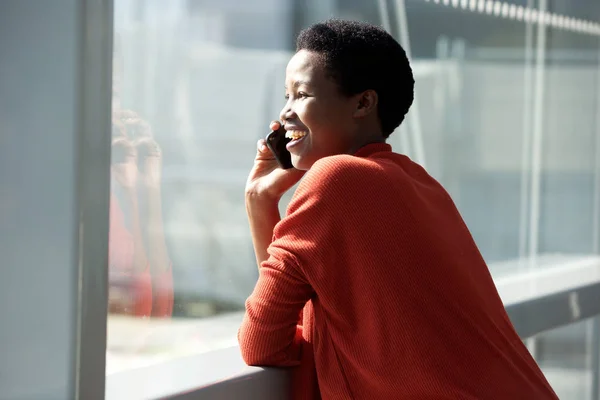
133, 143
150, 162
124, 163
134, 127
267, 180
266, 184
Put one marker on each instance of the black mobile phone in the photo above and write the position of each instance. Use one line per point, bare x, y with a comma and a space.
276, 142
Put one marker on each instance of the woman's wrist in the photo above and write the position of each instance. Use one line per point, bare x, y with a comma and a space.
130, 199
263, 215
151, 195
259, 197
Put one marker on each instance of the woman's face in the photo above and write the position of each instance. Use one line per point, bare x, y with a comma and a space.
317, 116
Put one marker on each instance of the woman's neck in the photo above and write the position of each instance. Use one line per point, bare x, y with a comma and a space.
367, 140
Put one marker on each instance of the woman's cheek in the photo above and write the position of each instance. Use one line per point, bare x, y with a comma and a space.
309, 112
301, 108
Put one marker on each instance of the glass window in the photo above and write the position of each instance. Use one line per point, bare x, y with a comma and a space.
506, 120
567, 141
468, 129
565, 356
195, 84
505, 117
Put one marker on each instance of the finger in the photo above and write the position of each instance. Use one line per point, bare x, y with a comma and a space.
123, 143
125, 114
144, 129
137, 128
120, 141
148, 146
122, 150
263, 152
275, 125
261, 147
135, 121
118, 129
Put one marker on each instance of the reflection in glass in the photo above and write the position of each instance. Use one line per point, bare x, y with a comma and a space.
140, 274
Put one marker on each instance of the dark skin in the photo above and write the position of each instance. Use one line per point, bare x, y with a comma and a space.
332, 123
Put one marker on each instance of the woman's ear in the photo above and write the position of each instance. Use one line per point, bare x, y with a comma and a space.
366, 103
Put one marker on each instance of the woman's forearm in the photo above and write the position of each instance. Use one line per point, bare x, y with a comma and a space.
263, 215
140, 262
155, 232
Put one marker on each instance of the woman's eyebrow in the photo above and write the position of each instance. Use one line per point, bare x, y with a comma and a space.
299, 83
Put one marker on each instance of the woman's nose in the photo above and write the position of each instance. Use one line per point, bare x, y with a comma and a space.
286, 112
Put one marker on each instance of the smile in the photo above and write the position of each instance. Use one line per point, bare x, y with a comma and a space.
296, 136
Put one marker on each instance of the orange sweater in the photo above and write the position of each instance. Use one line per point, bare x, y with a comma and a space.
398, 302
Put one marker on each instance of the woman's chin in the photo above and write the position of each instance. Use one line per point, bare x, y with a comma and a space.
301, 162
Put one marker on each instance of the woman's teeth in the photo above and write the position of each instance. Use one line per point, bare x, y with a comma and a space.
295, 134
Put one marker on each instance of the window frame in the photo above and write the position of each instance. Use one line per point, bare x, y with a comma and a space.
95, 29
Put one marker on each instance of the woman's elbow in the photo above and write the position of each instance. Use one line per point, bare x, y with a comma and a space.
253, 353
258, 353
254, 360
257, 359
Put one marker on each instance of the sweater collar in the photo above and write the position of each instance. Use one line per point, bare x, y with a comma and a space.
370, 149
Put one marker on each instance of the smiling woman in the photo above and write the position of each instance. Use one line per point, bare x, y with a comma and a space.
368, 227
319, 115
395, 297
336, 101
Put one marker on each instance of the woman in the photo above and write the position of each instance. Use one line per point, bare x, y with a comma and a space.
141, 281
397, 301
140, 271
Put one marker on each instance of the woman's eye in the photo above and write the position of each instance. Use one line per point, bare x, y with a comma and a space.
299, 95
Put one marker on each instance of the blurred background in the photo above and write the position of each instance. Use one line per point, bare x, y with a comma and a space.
505, 117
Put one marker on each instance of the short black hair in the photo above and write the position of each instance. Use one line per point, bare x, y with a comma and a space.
359, 56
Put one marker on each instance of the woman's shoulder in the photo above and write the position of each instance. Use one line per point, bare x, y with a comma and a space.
343, 168
340, 175
341, 164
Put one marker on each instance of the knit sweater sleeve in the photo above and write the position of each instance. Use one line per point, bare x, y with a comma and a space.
303, 239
